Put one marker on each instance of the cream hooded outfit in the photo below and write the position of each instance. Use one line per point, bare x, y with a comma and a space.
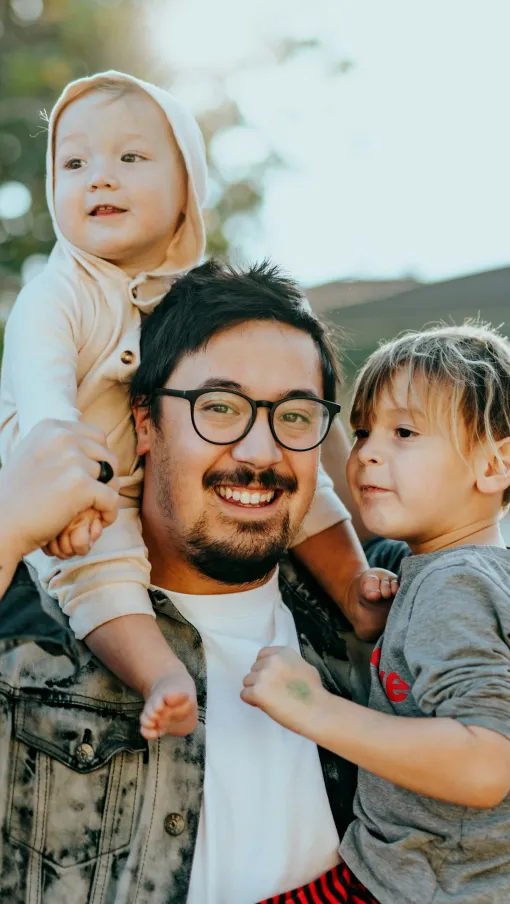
71, 349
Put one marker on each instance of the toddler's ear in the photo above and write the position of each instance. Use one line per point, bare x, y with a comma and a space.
493, 471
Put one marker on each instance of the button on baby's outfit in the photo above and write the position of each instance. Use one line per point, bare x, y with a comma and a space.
127, 356
85, 754
174, 824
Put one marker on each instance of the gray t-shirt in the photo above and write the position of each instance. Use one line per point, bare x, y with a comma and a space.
445, 653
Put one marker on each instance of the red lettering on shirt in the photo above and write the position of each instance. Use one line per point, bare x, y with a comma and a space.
396, 688
376, 657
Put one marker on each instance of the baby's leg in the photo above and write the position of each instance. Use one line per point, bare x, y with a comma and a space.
133, 647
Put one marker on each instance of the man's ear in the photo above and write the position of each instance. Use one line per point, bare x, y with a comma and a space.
143, 426
493, 471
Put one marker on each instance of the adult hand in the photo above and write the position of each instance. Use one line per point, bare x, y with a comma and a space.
51, 479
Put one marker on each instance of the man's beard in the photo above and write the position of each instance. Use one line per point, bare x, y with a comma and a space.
252, 550
243, 559
255, 547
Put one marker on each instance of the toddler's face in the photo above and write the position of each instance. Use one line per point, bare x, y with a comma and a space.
407, 476
120, 182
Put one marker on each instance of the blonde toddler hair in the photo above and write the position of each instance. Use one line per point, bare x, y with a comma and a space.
457, 370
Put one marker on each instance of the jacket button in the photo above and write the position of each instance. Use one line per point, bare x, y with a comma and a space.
174, 824
85, 754
127, 357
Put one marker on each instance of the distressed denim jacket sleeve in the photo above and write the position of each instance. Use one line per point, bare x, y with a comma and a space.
92, 814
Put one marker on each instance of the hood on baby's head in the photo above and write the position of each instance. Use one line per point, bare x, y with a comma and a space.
189, 244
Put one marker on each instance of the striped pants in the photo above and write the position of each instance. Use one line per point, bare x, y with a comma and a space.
337, 886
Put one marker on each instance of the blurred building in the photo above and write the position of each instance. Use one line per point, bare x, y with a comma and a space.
366, 312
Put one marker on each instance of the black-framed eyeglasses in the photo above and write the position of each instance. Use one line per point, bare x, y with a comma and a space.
226, 416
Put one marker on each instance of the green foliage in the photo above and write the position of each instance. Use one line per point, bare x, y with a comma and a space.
70, 39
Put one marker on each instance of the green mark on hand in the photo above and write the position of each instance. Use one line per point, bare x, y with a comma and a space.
300, 690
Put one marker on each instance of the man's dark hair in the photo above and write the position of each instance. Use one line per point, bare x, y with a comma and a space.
208, 300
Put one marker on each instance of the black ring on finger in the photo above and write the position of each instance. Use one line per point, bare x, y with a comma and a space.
106, 472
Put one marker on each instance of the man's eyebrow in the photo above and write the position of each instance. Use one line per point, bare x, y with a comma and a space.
223, 383
220, 383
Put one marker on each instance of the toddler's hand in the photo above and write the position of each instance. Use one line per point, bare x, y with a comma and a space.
373, 592
78, 538
285, 687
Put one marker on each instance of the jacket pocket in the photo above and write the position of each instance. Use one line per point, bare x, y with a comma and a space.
74, 781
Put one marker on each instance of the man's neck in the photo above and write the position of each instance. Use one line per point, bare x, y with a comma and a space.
170, 571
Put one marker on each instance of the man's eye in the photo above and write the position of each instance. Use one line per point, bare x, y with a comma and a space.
294, 417
216, 408
131, 158
359, 433
73, 163
405, 432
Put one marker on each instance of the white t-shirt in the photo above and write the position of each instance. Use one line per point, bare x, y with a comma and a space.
266, 824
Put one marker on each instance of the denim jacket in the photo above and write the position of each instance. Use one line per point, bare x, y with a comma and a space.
91, 813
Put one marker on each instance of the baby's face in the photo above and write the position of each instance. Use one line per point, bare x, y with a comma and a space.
120, 182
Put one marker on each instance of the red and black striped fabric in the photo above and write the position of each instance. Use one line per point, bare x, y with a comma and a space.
338, 886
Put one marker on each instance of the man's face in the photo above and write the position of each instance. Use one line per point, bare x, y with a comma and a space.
230, 511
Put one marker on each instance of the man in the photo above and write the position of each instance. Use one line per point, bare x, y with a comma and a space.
233, 397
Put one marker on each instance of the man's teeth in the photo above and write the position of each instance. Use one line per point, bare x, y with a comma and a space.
245, 497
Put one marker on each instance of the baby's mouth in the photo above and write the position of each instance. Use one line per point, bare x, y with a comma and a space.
105, 210
244, 497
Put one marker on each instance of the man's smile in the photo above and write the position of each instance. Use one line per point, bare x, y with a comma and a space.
241, 496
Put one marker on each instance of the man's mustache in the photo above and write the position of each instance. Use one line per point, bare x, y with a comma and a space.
243, 477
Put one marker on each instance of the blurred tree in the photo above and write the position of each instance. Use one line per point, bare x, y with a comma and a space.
43, 45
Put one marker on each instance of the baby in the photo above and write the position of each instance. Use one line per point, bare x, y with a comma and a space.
431, 466
126, 176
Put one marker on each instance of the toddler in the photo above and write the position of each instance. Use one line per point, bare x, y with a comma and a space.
431, 466
126, 176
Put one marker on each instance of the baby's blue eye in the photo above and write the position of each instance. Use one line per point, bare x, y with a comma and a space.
73, 163
131, 158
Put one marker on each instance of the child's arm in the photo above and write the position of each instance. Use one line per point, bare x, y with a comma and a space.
457, 653
336, 559
39, 363
105, 597
134, 649
462, 764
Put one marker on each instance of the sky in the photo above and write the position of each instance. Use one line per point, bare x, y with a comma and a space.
397, 167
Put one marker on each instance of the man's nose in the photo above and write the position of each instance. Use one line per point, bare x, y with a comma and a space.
259, 448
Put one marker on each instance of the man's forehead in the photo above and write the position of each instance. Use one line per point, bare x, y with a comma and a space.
256, 357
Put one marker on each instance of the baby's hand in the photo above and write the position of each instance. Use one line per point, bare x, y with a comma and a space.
373, 592
78, 538
285, 687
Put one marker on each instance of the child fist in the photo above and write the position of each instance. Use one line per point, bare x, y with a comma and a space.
78, 538
284, 686
371, 595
